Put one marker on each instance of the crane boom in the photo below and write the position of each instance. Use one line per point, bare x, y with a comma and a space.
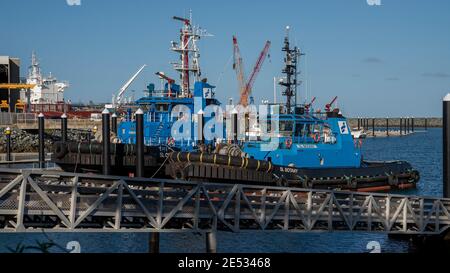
307, 106
127, 84
238, 65
328, 106
256, 69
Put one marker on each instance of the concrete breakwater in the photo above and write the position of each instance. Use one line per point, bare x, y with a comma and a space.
395, 122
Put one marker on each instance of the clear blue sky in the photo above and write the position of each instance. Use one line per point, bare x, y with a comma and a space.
386, 60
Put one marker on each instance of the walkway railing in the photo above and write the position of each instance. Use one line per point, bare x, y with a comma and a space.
36, 200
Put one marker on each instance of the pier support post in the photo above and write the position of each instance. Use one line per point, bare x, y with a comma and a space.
64, 128
446, 146
387, 126
114, 123
359, 123
41, 124
8, 143
106, 155
139, 116
412, 124
153, 243
373, 127
211, 242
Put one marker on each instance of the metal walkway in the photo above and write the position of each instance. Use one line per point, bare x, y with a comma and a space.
36, 201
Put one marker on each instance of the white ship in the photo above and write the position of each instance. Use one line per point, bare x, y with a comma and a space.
47, 90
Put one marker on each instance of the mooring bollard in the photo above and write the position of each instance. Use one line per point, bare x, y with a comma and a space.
64, 128
200, 126
8, 144
41, 124
446, 146
139, 119
387, 126
211, 242
106, 143
114, 123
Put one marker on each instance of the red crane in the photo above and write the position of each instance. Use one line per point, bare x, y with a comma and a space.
245, 89
328, 106
307, 106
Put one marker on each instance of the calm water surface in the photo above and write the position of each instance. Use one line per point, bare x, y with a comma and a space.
422, 149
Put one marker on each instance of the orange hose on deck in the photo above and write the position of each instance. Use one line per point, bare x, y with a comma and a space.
372, 189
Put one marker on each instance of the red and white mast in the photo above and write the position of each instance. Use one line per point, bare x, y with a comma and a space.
189, 35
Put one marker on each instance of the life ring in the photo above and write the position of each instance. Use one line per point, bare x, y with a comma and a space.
316, 137
288, 143
171, 141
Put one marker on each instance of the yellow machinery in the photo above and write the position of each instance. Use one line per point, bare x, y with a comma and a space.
4, 105
19, 105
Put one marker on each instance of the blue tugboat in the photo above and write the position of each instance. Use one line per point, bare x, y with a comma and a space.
307, 148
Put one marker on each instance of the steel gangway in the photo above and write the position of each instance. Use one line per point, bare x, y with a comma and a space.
54, 201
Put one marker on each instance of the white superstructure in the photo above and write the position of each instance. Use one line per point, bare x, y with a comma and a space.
47, 89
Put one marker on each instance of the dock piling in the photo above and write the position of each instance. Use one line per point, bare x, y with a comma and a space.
234, 119
401, 126
446, 146
373, 127
114, 123
405, 126
408, 125
8, 144
106, 155
211, 242
41, 125
200, 126
412, 124
387, 126
64, 128
153, 243
139, 143
359, 123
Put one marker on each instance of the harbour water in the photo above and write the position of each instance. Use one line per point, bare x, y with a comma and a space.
422, 149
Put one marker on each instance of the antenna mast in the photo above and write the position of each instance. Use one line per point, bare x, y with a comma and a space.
189, 35
290, 82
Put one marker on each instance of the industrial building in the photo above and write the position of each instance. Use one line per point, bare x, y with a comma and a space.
9, 73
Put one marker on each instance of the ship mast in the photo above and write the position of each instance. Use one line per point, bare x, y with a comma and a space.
290, 82
34, 71
187, 48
